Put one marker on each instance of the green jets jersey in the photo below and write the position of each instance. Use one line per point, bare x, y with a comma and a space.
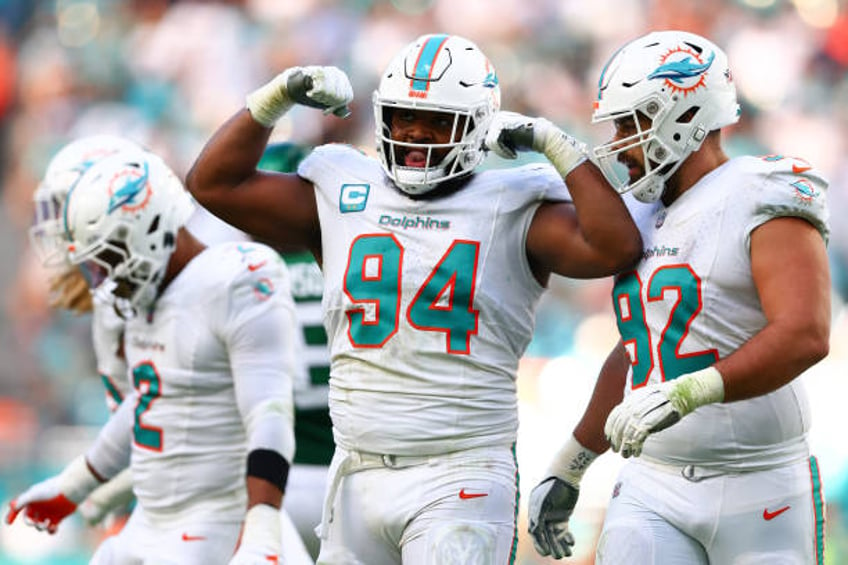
313, 430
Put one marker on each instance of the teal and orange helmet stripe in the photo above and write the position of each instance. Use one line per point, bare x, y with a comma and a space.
424, 64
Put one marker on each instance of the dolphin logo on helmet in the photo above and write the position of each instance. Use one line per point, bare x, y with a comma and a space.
677, 71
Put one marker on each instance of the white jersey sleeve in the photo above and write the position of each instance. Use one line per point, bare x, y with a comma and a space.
110, 453
264, 343
107, 333
790, 187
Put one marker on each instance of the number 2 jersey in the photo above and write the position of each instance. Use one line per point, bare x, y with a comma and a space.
222, 340
428, 304
692, 301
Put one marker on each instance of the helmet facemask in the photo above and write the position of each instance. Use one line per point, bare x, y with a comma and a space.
442, 161
659, 159
46, 234
132, 279
436, 73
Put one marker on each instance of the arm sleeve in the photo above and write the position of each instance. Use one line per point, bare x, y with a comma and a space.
264, 341
110, 453
107, 332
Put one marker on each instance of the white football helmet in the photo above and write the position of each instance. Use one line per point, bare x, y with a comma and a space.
121, 221
442, 73
683, 84
47, 233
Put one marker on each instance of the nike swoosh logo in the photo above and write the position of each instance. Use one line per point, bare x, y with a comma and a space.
187, 537
772, 515
468, 495
798, 170
254, 266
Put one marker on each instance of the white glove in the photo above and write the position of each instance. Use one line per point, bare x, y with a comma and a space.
327, 88
553, 500
510, 133
107, 497
47, 503
260, 542
656, 407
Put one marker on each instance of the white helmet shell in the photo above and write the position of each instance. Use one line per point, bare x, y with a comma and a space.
121, 222
441, 73
682, 83
47, 233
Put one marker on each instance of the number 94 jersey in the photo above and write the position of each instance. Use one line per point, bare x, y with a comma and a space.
428, 304
692, 301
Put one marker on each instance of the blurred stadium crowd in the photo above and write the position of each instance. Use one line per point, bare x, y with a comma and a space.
167, 72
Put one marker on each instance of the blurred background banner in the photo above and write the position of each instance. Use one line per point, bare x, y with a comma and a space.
166, 73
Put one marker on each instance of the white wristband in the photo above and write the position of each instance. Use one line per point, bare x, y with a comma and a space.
77, 481
688, 392
563, 151
571, 461
117, 491
271, 101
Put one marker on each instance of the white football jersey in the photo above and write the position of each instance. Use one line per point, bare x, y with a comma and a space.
107, 332
222, 337
428, 304
692, 301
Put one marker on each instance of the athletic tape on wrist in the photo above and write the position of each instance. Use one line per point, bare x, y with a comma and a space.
571, 461
270, 102
691, 391
268, 465
563, 151
262, 527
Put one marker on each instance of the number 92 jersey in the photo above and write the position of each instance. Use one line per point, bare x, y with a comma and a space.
428, 304
693, 301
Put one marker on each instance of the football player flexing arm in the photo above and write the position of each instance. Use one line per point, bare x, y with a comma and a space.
729, 305
432, 273
212, 347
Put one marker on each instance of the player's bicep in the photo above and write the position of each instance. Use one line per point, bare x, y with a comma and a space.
556, 244
790, 269
276, 208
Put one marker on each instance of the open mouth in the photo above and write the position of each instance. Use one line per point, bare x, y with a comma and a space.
415, 158
634, 169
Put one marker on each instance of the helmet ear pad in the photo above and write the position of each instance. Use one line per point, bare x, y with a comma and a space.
682, 82
436, 73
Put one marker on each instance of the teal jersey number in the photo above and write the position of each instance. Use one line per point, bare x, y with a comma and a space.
633, 327
444, 303
146, 381
379, 286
